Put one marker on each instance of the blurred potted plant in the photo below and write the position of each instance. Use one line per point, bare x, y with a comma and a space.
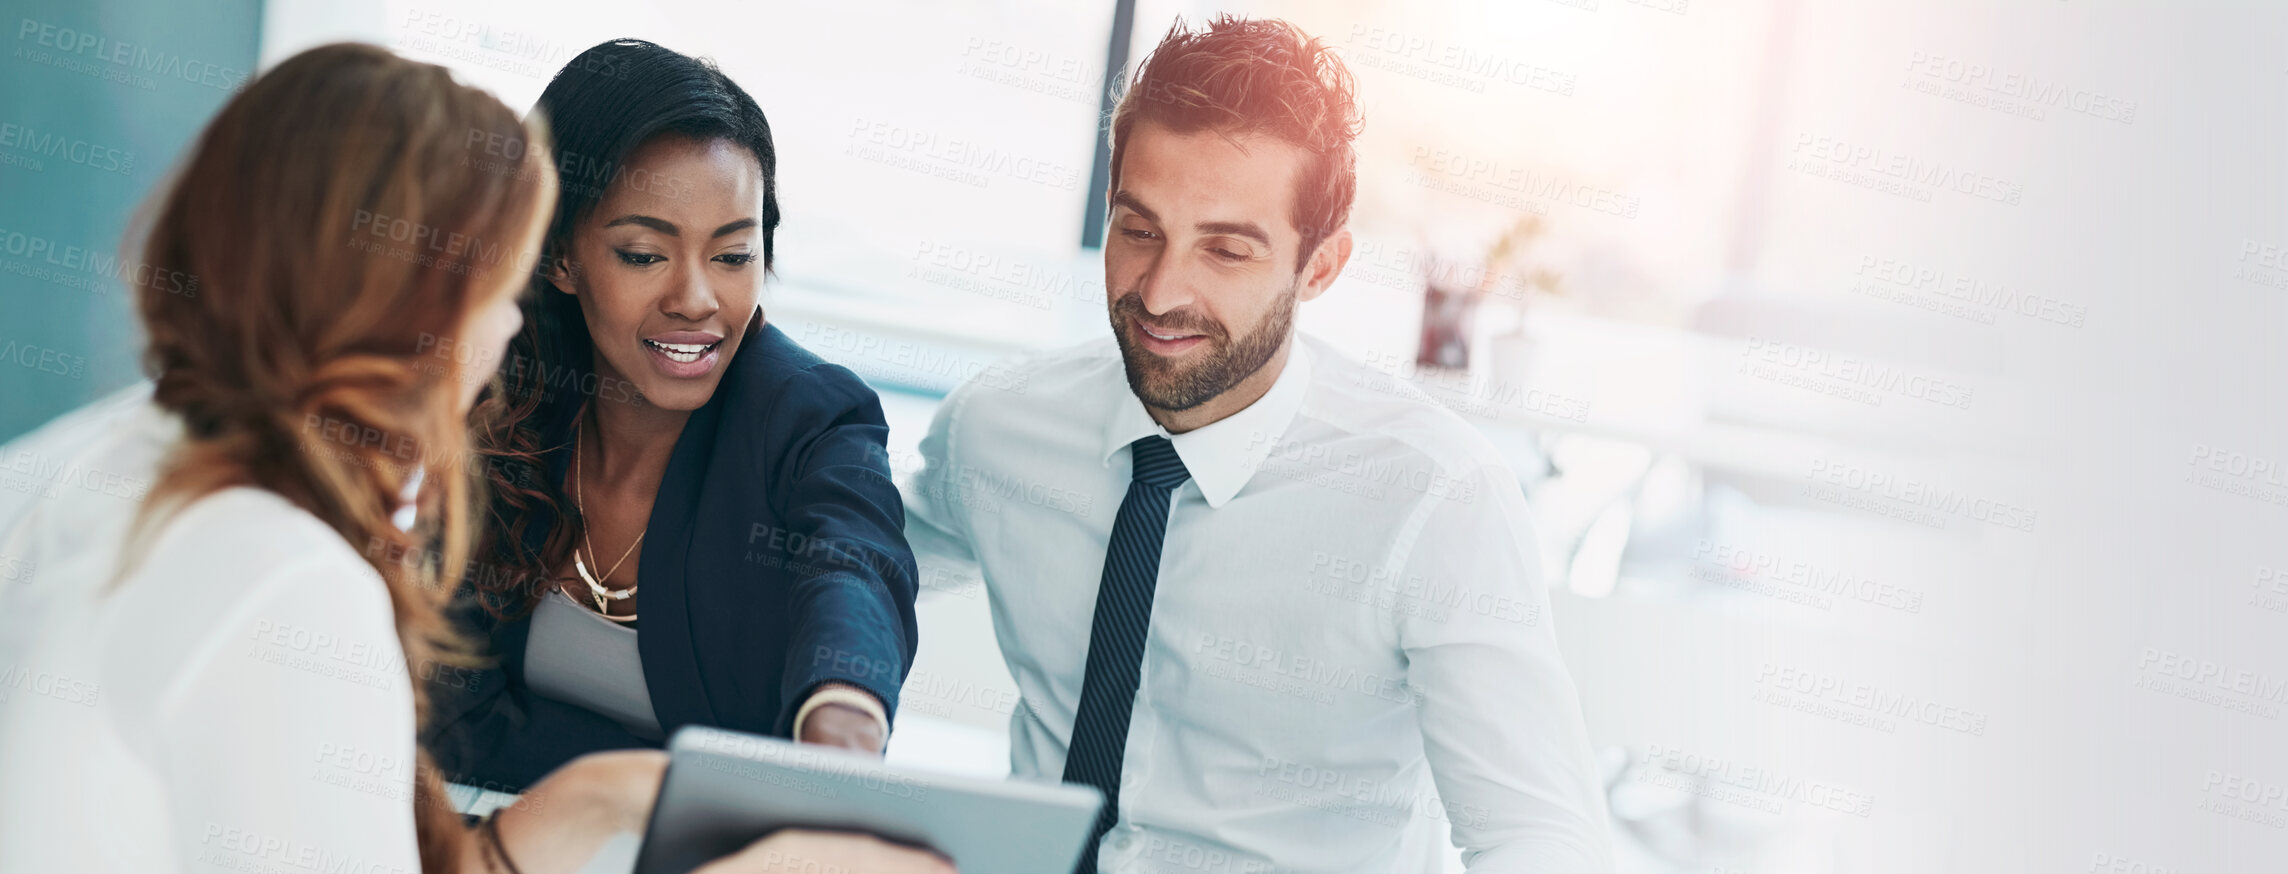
1454, 290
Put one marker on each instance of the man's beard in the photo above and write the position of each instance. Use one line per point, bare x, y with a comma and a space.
1162, 384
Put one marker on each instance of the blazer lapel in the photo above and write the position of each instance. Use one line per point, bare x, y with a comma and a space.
667, 638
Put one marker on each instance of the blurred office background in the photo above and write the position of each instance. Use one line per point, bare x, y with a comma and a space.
1899, 387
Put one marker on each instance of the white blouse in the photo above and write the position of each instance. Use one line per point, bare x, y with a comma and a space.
236, 701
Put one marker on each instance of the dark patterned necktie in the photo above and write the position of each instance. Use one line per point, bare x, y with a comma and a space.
1116, 639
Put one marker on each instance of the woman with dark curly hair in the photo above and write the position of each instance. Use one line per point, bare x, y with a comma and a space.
695, 522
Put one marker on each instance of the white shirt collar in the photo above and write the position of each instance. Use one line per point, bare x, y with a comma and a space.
1221, 456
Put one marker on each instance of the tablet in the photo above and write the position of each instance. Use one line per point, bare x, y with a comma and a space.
724, 789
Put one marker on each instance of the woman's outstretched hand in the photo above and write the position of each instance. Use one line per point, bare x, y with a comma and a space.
843, 725
836, 725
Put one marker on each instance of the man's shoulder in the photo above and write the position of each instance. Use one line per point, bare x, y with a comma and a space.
1031, 412
1362, 401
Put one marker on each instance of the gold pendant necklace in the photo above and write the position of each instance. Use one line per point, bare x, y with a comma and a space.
596, 588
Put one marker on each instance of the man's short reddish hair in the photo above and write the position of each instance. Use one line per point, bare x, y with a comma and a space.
1242, 76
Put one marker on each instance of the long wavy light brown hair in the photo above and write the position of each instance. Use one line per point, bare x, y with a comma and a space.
345, 214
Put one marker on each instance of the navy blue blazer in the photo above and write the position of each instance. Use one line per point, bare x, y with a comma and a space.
776, 561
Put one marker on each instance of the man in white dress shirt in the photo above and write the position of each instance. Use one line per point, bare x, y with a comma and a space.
1288, 616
